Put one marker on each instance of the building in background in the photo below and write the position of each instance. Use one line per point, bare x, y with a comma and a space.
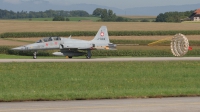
195, 15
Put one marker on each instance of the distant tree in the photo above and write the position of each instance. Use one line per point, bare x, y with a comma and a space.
44, 15
4, 14
79, 13
97, 12
160, 18
31, 14
67, 19
106, 15
120, 19
111, 16
144, 20
58, 18
173, 16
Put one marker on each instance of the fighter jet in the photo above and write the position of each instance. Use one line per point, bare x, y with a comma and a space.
71, 47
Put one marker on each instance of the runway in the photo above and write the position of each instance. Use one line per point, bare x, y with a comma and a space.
105, 59
184, 104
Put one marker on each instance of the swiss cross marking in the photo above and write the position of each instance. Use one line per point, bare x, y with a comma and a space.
102, 34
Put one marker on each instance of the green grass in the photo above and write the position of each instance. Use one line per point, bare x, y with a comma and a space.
5, 56
140, 19
96, 80
70, 18
84, 18
191, 22
11, 39
36, 19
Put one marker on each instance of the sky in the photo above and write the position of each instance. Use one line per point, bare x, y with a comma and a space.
122, 4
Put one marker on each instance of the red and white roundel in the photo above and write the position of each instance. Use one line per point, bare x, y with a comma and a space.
102, 34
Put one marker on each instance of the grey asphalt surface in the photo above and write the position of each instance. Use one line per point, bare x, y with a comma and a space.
184, 104
105, 59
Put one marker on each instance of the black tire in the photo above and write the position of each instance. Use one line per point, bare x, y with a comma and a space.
88, 57
70, 57
34, 57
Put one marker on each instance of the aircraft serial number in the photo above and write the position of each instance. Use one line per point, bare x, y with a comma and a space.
101, 39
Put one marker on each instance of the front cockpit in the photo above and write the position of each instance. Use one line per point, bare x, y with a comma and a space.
47, 39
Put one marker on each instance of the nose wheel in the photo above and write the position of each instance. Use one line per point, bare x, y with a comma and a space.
89, 54
35, 55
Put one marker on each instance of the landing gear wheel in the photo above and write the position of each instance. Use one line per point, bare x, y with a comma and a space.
35, 55
89, 55
70, 57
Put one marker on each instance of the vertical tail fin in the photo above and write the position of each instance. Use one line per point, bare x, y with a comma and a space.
102, 35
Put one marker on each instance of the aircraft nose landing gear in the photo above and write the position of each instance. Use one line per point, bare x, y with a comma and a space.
35, 55
89, 54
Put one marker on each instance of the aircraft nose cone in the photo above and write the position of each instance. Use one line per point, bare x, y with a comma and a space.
18, 48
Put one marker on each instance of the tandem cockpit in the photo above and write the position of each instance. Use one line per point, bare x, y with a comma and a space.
48, 39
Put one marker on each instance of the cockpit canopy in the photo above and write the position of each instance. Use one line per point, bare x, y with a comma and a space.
47, 39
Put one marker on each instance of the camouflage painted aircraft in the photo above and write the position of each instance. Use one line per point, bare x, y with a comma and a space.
71, 47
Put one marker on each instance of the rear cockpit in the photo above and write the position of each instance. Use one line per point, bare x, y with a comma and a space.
47, 39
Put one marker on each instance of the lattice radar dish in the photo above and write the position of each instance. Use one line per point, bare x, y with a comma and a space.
179, 45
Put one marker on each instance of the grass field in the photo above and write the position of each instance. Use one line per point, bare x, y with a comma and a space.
191, 22
140, 18
70, 18
89, 19
5, 56
190, 37
50, 26
36, 19
97, 80
131, 47
4, 42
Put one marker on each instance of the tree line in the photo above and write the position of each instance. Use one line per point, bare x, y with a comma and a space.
104, 14
59, 15
5, 14
107, 15
173, 16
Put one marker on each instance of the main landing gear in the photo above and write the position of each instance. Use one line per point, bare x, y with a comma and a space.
89, 54
35, 55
